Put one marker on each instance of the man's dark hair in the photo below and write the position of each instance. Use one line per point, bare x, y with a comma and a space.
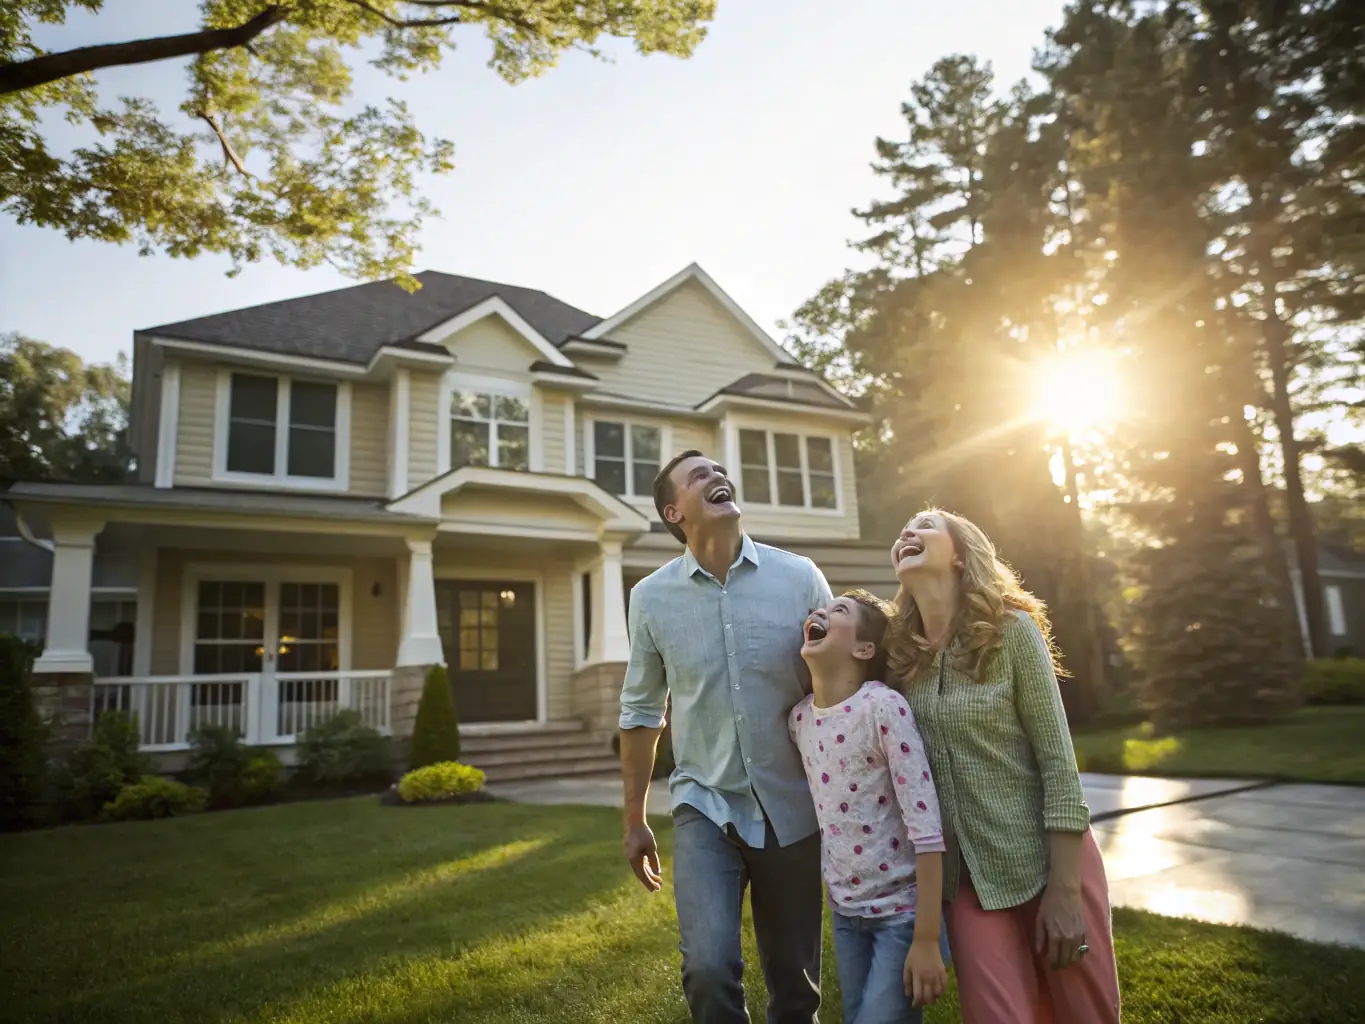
874, 618
665, 492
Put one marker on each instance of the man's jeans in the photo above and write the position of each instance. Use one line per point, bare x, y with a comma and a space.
711, 867
871, 958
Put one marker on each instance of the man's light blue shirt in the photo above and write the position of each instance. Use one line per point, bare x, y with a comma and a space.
730, 654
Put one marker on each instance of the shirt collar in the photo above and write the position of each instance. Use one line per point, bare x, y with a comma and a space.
748, 551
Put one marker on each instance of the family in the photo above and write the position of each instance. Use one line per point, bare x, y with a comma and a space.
909, 760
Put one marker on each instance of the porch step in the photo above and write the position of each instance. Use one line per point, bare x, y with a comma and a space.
550, 751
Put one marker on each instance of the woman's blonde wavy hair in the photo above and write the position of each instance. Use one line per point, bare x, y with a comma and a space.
990, 596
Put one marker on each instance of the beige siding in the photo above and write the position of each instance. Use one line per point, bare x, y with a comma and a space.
194, 441
369, 439
552, 406
374, 619
496, 509
490, 344
422, 426
682, 350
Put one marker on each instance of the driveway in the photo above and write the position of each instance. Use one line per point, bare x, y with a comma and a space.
1284, 857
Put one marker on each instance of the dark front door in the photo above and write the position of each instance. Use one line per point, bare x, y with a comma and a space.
488, 630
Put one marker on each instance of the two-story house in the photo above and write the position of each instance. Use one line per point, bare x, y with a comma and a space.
337, 491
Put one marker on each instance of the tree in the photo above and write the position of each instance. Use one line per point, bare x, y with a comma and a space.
268, 156
436, 732
59, 418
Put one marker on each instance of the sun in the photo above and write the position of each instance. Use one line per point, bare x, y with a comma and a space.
1079, 391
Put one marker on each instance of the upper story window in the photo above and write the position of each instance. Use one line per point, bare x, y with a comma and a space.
626, 457
791, 470
285, 430
489, 430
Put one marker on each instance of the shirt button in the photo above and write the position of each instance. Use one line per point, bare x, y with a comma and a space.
748, 760
727, 625
736, 686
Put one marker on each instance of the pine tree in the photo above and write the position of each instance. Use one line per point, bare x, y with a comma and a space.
436, 733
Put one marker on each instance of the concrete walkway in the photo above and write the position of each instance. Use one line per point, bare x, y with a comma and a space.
1283, 857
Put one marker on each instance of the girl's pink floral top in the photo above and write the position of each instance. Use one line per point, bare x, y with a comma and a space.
874, 797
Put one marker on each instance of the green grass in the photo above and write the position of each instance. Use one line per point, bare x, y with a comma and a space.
346, 911
1311, 745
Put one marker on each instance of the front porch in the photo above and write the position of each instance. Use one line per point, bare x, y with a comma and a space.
270, 624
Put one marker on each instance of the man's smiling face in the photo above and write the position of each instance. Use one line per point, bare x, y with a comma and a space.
702, 494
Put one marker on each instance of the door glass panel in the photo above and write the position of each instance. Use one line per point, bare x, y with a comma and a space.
231, 625
309, 627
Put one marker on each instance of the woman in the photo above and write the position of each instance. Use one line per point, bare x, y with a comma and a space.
1029, 921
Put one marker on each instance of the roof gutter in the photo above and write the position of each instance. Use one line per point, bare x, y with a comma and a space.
26, 531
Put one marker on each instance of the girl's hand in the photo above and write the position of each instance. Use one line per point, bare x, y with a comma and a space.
925, 976
1060, 929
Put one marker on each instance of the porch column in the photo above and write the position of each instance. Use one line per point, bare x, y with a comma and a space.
421, 639
67, 648
610, 637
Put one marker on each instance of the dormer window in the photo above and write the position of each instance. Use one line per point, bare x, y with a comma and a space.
489, 430
274, 429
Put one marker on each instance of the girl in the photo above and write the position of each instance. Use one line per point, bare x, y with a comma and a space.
1029, 921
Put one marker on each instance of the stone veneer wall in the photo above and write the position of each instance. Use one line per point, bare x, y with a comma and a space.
597, 696
65, 699
404, 696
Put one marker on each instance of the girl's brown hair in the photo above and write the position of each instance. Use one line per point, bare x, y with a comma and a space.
990, 597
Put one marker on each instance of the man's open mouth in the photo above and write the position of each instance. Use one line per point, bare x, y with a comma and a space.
722, 495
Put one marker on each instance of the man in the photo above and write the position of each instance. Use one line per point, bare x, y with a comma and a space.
720, 627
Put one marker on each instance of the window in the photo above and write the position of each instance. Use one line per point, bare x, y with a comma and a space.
489, 430
283, 429
787, 469
25, 617
112, 629
626, 457
1336, 612
231, 629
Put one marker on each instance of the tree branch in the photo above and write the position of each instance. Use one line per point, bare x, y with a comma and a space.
453, 19
229, 154
52, 67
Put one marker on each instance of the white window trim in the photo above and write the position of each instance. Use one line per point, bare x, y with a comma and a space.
272, 576
733, 428
493, 575
488, 385
339, 482
590, 453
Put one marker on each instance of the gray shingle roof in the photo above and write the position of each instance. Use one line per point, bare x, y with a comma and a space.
781, 389
352, 324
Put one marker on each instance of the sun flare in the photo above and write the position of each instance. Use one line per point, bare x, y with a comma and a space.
1079, 391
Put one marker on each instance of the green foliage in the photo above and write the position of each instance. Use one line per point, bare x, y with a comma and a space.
154, 796
1334, 681
232, 773
23, 737
268, 155
59, 418
95, 772
344, 751
435, 733
440, 781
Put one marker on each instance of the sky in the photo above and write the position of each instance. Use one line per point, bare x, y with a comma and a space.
595, 182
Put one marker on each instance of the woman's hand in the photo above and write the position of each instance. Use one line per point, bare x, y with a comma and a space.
925, 976
1060, 929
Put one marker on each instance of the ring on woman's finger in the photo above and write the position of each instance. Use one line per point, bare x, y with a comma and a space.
1081, 950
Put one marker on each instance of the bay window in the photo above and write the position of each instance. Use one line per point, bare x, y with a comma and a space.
626, 457
789, 470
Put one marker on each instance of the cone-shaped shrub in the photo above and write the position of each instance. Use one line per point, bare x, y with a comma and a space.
436, 733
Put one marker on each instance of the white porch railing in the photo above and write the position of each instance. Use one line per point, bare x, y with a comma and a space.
264, 709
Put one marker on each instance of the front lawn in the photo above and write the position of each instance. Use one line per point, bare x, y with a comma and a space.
346, 911
1311, 745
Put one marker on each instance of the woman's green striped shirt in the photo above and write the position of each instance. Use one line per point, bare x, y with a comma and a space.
1003, 764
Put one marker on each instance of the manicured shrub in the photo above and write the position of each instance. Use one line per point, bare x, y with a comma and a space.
97, 770
440, 781
343, 751
1334, 681
154, 797
233, 773
23, 738
436, 733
